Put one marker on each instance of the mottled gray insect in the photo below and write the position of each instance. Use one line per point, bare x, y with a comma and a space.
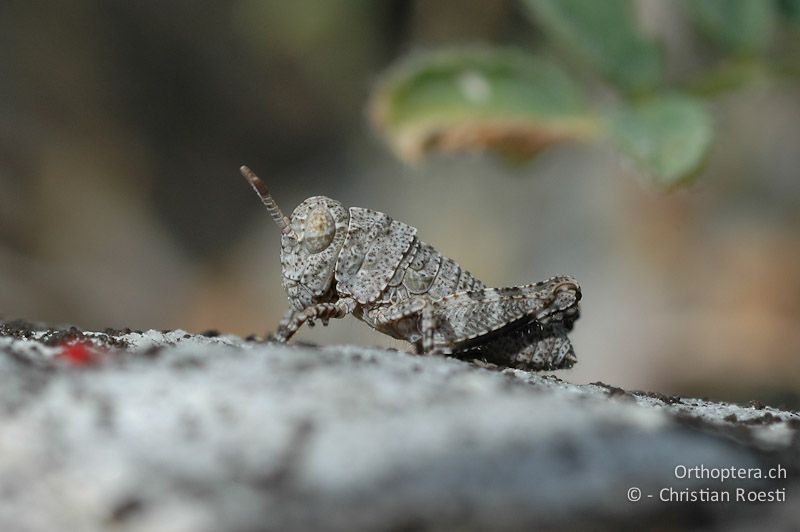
338, 261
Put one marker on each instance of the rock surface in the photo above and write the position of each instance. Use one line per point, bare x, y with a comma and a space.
151, 431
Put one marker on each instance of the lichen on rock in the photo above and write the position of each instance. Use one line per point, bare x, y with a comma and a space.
177, 431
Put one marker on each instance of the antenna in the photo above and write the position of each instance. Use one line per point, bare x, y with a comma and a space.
263, 192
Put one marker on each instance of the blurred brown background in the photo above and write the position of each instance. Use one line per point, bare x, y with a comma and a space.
122, 125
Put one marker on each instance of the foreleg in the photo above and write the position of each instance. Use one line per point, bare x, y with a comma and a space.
293, 320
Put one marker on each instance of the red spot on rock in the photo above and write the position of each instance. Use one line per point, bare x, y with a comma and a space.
78, 354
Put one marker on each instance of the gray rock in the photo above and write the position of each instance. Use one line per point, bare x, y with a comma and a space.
178, 432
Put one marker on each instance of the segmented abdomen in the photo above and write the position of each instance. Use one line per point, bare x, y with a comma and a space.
425, 272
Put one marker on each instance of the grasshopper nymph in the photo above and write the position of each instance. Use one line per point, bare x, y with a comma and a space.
337, 261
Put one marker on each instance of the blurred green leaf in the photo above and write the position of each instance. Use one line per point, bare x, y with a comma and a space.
478, 98
603, 34
790, 10
740, 26
668, 136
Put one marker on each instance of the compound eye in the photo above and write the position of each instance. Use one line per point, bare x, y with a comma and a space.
319, 230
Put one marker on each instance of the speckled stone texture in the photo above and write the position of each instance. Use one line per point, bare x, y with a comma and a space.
176, 432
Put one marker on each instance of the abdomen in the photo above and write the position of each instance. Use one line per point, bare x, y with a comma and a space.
423, 272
